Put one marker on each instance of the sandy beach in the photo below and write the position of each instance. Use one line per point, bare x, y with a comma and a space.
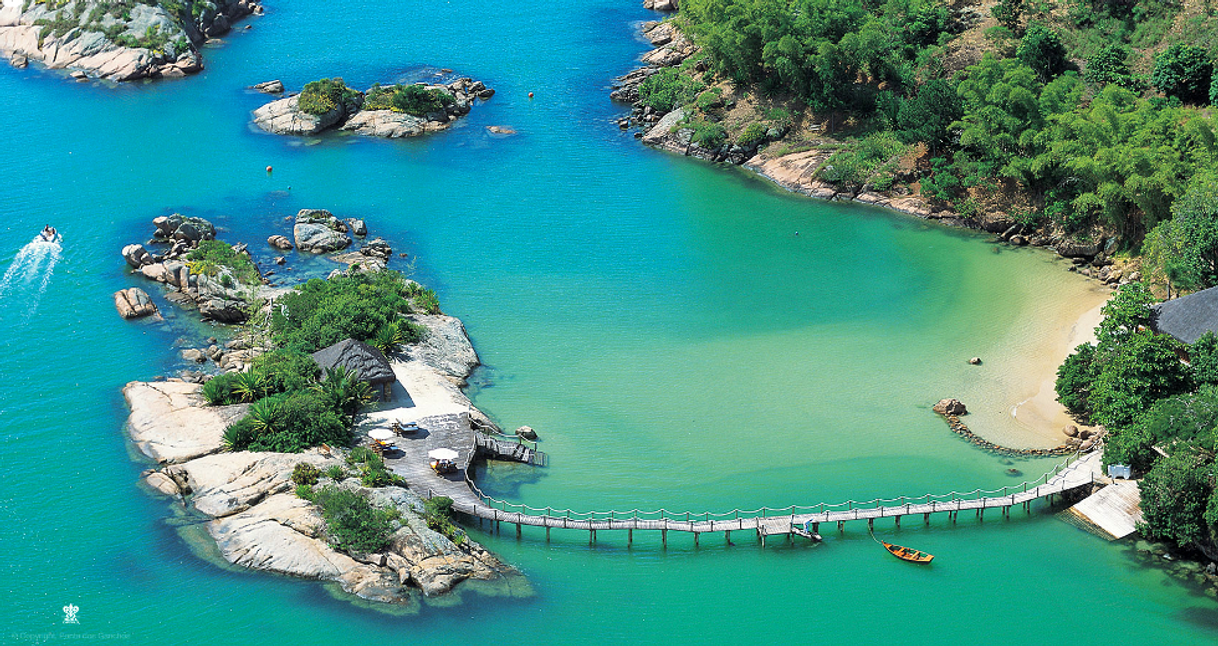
1023, 411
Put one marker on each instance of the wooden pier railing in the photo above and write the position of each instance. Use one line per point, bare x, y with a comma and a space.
1075, 472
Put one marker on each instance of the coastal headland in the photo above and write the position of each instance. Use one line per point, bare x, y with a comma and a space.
116, 41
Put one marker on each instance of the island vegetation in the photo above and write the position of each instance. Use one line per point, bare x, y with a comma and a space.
293, 406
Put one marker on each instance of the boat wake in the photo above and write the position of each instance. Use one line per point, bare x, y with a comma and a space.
30, 272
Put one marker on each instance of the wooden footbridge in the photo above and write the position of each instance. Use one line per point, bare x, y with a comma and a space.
1075, 472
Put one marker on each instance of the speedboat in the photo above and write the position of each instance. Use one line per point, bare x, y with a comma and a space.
49, 234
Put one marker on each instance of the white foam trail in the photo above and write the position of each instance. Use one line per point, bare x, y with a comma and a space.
30, 272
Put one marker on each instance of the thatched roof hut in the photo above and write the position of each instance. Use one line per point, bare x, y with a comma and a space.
365, 361
1188, 317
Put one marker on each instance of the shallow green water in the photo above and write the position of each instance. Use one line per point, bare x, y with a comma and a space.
656, 319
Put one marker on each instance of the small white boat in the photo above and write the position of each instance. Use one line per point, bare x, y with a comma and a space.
49, 234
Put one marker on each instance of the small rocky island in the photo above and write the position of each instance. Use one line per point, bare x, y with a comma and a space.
116, 40
271, 451
391, 111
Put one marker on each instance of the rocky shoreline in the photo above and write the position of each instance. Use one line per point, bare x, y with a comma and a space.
103, 40
285, 116
248, 501
797, 171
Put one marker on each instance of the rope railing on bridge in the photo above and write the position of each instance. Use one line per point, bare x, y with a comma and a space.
662, 514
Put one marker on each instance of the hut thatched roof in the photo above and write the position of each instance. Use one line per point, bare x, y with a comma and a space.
364, 360
1188, 317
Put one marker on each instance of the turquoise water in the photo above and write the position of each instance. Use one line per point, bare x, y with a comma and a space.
656, 319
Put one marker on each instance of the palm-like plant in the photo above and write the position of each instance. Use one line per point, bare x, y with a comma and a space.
388, 339
344, 391
249, 386
264, 417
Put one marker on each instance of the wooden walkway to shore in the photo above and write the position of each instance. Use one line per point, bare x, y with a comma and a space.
1076, 472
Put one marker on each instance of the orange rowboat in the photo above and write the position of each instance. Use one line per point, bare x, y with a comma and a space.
908, 554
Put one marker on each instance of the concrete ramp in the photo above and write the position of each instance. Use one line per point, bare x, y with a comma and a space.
1114, 510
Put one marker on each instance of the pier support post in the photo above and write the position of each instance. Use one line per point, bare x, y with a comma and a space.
664, 537
629, 536
898, 521
727, 537
547, 533
815, 528
695, 539
517, 530
591, 536
926, 518
870, 523
841, 526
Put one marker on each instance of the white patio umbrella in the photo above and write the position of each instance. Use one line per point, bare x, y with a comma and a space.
380, 434
442, 454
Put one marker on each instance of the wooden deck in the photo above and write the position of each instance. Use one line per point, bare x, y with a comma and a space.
1115, 510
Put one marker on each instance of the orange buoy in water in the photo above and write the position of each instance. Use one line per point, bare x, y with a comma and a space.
530, 95
268, 169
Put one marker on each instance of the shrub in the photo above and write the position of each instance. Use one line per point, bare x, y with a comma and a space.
853, 165
708, 134
218, 391
1108, 66
1041, 49
285, 370
353, 524
360, 455
325, 95
669, 89
1175, 494
1074, 379
248, 386
422, 299
212, 256
304, 491
1204, 357
336, 473
1141, 370
323, 312
343, 391
417, 100
1184, 72
305, 474
373, 472
238, 435
287, 423
710, 100
752, 135
437, 512
1008, 13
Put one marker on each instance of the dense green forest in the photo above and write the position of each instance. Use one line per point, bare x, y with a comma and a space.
1084, 118
1162, 414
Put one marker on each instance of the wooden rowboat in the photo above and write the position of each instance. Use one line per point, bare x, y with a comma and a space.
907, 553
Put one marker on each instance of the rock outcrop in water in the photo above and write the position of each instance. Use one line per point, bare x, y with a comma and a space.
286, 117
117, 41
318, 231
